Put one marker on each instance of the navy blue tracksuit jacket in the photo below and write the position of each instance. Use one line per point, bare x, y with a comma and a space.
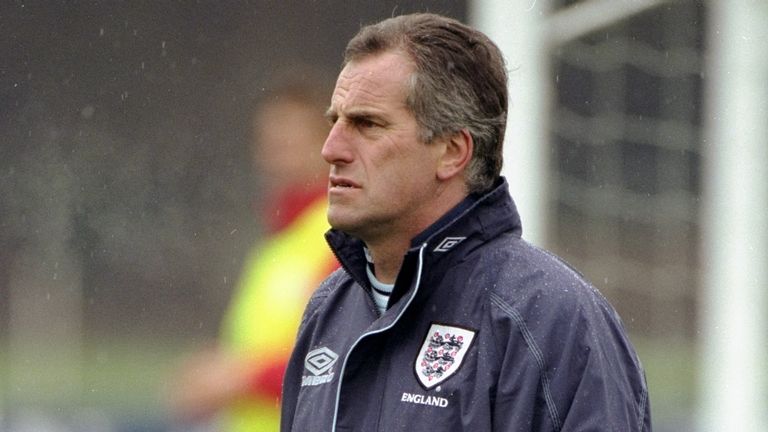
484, 332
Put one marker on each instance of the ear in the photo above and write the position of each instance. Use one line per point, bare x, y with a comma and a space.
457, 154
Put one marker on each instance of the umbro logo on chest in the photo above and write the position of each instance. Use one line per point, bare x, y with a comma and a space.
448, 243
319, 363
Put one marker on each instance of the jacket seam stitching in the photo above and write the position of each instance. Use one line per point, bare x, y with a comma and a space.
495, 346
641, 416
537, 355
313, 307
319, 300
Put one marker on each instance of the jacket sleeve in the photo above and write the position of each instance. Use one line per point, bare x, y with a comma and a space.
567, 365
293, 371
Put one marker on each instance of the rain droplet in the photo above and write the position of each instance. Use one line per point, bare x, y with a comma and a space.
88, 111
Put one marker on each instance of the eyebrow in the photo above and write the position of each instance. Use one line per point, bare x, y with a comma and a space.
354, 114
330, 114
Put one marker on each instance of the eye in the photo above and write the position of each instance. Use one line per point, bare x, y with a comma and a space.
365, 123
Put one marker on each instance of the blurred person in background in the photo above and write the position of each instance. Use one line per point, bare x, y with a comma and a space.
443, 318
235, 385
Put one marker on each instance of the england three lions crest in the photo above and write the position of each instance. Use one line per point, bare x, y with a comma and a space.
441, 353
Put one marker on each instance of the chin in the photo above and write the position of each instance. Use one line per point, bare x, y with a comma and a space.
341, 225
337, 221
347, 225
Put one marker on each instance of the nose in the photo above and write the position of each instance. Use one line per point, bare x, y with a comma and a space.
337, 149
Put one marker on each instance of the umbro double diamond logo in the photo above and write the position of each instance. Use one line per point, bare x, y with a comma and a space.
319, 363
448, 243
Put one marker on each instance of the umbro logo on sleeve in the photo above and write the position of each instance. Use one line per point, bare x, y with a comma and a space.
319, 363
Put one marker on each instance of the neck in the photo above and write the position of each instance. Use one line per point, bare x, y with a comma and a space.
387, 259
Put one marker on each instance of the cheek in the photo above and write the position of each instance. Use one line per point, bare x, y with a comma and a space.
400, 163
410, 180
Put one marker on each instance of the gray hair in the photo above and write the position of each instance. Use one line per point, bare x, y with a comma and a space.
460, 82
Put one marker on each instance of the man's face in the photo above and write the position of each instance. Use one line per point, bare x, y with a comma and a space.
382, 177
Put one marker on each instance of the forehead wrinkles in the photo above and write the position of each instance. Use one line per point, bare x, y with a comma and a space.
366, 85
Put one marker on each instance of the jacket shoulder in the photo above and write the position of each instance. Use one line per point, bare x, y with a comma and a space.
326, 288
523, 272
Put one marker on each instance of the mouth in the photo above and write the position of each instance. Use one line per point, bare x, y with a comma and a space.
342, 183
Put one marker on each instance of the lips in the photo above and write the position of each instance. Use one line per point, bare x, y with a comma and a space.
343, 183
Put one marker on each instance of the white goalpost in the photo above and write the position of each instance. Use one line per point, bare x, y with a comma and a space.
735, 201
516, 26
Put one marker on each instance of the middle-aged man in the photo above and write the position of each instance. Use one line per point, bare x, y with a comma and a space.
442, 318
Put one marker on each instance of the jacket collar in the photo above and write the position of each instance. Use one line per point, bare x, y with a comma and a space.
474, 221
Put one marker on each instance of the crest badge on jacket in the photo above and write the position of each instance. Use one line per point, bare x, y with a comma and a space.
442, 353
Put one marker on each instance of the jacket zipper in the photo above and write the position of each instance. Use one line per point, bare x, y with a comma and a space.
381, 330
